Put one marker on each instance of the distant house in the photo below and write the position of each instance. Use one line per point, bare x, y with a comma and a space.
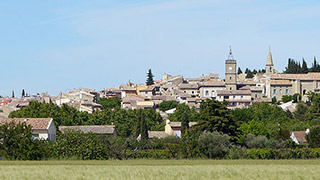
299, 137
174, 128
42, 128
95, 129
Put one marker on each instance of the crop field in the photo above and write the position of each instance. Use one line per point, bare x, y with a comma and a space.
161, 169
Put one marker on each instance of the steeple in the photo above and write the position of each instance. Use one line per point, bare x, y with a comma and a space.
269, 66
269, 59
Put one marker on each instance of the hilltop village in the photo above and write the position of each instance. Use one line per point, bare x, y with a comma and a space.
265, 86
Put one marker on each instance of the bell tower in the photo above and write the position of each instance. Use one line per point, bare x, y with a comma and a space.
231, 72
269, 66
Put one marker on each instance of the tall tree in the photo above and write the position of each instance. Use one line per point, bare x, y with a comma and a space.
249, 74
149, 78
304, 68
239, 70
315, 66
12, 94
23, 93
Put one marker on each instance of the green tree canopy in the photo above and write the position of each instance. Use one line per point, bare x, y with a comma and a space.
149, 78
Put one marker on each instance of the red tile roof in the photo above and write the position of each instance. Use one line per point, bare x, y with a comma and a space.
300, 135
36, 123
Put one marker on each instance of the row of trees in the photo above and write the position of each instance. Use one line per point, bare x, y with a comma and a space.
294, 67
249, 73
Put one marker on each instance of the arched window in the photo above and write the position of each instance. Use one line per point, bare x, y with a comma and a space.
270, 69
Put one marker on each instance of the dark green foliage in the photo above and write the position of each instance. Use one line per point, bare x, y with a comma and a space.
293, 67
182, 114
12, 94
304, 68
295, 98
313, 137
214, 144
249, 74
23, 93
79, 145
17, 143
315, 66
301, 112
239, 70
252, 141
149, 78
166, 105
144, 127
110, 103
214, 116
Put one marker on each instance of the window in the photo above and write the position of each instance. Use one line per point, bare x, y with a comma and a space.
230, 88
274, 91
212, 93
35, 136
234, 97
184, 91
230, 77
192, 92
287, 91
280, 91
207, 93
304, 92
241, 97
270, 69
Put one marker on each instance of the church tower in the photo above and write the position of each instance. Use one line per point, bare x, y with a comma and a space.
269, 66
231, 72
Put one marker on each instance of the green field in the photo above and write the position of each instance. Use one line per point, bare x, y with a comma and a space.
161, 169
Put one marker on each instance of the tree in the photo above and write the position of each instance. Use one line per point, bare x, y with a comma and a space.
304, 68
23, 93
214, 144
215, 116
249, 74
239, 70
301, 111
166, 105
110, 103
313, 137
12, 94
252, 141
315, 66
149, 78
141, 126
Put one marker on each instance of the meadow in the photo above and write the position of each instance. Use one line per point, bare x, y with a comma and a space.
161, 169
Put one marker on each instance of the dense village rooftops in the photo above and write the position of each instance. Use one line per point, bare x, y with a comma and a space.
308, 76
162, 97
213, 83
281, 82
35, 123
262, 100
184, 95
233, 92
148, 89
96, 129
256, 88
188, 86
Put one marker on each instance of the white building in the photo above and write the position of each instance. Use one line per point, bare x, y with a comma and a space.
42, 128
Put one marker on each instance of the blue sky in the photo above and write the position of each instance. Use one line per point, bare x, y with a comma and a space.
52, 46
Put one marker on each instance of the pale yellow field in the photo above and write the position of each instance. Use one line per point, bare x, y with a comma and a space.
162, 169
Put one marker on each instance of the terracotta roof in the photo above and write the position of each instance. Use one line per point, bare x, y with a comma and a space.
300, 135
96, 129
281, 82
188, 86
213, 83
157, 134
234, 92
309, 76
36, 123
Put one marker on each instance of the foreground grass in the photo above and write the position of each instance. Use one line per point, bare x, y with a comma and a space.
162, 169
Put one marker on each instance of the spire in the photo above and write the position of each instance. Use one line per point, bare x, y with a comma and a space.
269, 59
230, 56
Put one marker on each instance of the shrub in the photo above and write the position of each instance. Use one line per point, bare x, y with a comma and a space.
166, 105
252, 141
238, 152
313, 137
214, 145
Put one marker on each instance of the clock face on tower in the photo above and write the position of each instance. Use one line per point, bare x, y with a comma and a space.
230, 68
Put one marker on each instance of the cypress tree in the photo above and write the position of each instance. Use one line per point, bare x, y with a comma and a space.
23, 93
149, 78
12, 94
304, 67
144, 128
249, 74
138, 124
239, 70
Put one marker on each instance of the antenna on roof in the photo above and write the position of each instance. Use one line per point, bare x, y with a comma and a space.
230, 56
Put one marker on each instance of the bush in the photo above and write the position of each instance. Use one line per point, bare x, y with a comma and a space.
252, 141
214, 145
238, 152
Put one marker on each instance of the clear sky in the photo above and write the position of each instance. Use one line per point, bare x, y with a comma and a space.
58, 45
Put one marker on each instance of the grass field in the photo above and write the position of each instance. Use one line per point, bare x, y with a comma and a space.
161, 169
